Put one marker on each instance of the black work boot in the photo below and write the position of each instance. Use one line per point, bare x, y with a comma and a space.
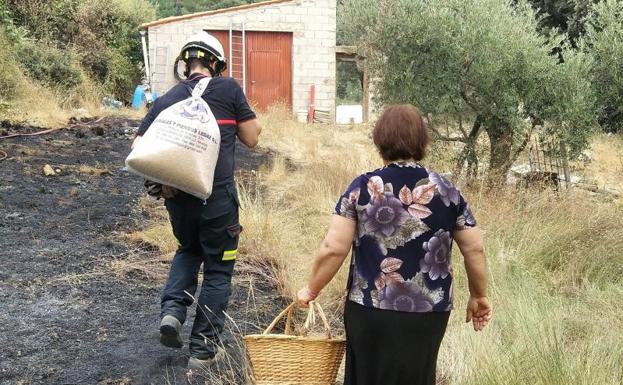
171, 332
200, 364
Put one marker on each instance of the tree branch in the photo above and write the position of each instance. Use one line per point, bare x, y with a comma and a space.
519, 149
461, 126
447, 138
466, 99
473, 134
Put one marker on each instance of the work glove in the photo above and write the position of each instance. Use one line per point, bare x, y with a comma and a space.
160, 191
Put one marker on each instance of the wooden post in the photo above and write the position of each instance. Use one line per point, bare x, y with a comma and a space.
565, 164
365, 91
312, 104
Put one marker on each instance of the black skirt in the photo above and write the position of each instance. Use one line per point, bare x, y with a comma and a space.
387, 347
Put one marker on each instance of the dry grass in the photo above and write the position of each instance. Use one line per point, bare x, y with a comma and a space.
47, 108
36, 106
556, 271
555, 260
606, 166
158, 236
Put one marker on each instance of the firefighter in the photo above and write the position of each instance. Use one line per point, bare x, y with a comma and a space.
207, 232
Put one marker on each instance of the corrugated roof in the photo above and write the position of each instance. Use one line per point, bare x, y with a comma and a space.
173, 19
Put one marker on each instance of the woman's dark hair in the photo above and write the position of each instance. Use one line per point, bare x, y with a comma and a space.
401, 133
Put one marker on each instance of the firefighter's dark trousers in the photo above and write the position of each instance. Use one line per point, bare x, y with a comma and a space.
208, 234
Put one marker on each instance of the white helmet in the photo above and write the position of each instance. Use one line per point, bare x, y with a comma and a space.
205, 46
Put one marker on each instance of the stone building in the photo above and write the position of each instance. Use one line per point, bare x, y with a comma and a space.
277, 50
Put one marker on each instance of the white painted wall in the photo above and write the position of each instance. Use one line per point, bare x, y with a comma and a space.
312, 23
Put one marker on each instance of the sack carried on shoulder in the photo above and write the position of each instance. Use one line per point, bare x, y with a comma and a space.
180, 148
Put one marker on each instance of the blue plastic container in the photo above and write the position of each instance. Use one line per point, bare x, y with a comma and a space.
139, 99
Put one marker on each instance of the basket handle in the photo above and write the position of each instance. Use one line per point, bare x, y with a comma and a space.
288, 311
311, 318
309, 321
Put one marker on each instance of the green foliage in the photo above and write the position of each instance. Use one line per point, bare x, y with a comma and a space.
10, 70
104, 33
49, 20
206, 5
12, 32
566, 16
49, 65
164, 8
349, 87
481, 60
167, 8
353, 16
604, 41
110, 46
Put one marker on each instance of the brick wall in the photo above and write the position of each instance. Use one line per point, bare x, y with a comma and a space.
312, 23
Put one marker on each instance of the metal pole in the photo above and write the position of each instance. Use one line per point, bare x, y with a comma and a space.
149, 97
565, 164
145, 58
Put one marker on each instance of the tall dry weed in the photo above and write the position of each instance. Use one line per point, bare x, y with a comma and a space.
556, 260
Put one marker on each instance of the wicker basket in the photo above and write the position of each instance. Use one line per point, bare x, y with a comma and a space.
286, 359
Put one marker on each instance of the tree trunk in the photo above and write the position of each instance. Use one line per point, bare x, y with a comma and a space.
501, 138
469, 152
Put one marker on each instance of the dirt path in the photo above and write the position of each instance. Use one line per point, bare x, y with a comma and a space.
66, 317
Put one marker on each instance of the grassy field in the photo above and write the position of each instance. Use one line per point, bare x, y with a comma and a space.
556, 260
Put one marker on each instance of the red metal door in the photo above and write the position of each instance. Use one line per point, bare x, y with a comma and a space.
269, 68
268, 65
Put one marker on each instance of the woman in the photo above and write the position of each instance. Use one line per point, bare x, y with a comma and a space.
401, 221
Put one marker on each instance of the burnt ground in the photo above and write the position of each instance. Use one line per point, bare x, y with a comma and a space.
66, 316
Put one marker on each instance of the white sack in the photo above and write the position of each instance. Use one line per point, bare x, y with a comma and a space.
181, 147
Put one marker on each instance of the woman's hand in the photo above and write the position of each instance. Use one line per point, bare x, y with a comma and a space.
479, 311
305, 296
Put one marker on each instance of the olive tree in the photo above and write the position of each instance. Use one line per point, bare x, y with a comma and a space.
604, 41
480, 62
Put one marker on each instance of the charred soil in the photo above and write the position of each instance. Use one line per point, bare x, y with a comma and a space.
67, 316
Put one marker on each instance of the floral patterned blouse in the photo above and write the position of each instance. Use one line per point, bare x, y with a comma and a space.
406, 216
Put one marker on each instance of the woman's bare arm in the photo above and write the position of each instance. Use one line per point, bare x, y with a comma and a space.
479, 309
329, 257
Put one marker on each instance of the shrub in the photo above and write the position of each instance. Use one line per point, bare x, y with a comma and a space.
10, 70
605, 42
108, 36
50, 66
349, 87
49, 20
104, 32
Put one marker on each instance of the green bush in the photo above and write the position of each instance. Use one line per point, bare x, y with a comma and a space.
12, 32
10, 70
605, 43
104, 33
349, 88
108, 37
48, 20
50, 66
167, 8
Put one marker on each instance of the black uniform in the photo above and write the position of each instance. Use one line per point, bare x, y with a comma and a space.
207, 232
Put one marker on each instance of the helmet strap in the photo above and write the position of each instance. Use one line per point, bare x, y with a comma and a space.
212, 72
